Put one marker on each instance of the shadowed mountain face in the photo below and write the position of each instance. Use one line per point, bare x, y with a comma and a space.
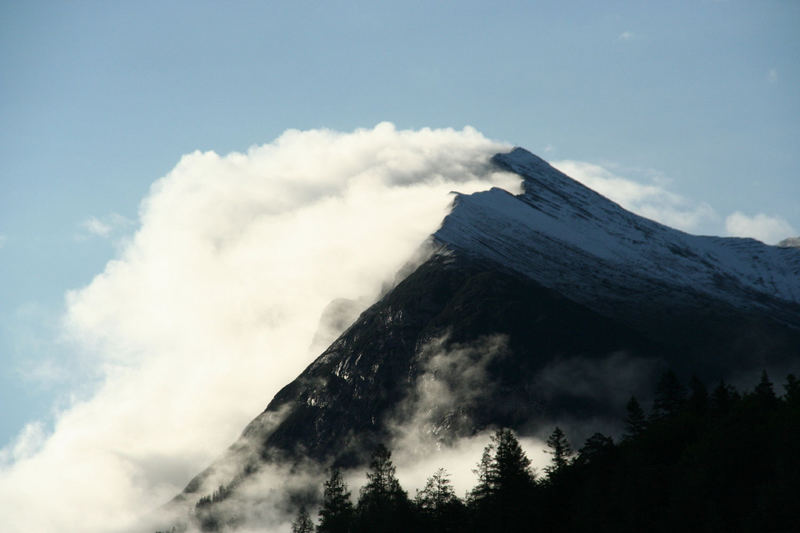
556, 304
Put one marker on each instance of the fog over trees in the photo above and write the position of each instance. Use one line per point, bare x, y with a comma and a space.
723, 460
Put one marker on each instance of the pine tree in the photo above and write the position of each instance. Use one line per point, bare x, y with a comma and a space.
670, 395
635, 421
303, 523
723, 398
382, 504
437, 494
512, 466
764, 392
336, 514
503, 498
484, 470
560, 449
438, 505
596, 446
792, 395
504, 467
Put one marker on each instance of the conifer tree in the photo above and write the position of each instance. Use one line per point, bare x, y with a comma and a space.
595, 446
635, 421
512, 466
504, 467
383, 505
336, 514
723, 398
792, 387
560, 449
303, 523
503, 498
670, 395
486, 485
437, 494
764, 391
438, 505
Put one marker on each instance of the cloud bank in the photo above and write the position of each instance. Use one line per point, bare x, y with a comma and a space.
763, 227
213, 304
649, 200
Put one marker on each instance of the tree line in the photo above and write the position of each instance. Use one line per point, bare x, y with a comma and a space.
698, 461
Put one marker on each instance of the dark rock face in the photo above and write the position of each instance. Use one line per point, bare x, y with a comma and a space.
341, 404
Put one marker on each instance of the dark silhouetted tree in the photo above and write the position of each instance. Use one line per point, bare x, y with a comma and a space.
723, 398
670, 395
438, 493
792, 387
560, 450
598, 445
764, 391
504, 466
439, 507
382, 504
635, 421
502, 500
336, 514
303, 523
485, 487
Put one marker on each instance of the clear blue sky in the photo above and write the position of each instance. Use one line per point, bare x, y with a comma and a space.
99, 99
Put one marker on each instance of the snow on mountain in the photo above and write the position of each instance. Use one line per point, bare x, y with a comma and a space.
791, 242
569, 238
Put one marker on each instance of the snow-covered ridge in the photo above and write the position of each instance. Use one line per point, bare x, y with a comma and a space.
568, 237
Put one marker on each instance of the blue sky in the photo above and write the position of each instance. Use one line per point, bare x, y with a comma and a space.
100, 99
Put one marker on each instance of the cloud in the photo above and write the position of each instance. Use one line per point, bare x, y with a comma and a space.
105, 226
763, 227
430, 428
96, 227
44, 372
626, 36
772, 75
27, 443
649, 200
211, 306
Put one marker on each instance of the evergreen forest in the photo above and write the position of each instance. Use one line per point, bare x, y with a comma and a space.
698, 460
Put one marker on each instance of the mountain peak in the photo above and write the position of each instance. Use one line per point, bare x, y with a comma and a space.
567, 237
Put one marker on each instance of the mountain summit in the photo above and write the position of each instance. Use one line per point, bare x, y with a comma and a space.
554, 305
569, 238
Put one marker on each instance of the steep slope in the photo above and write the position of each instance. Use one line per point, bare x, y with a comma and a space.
556, 304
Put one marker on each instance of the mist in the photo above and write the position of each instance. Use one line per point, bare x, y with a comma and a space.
215, 302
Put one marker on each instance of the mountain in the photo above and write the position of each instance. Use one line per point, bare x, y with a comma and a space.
552, 305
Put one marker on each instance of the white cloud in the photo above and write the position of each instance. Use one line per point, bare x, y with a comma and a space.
626, 36
649, 200
451, 382
27, 443
212, 305
105, 226
772, 75
763, 227
96, 227
44, 372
